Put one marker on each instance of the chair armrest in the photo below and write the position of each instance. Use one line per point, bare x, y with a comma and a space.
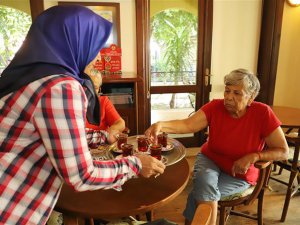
264, 172
262, 164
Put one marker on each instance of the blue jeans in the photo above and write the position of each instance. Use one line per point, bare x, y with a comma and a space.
210, 184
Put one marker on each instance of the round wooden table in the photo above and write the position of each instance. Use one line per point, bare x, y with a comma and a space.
138, 196
289, 116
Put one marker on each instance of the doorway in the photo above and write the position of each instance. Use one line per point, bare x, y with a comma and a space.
176, 78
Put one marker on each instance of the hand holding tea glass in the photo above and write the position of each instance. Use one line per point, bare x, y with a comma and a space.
151, 166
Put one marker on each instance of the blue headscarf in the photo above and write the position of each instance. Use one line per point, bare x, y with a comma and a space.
62, 40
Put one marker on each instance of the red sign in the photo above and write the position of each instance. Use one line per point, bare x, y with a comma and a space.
110, 60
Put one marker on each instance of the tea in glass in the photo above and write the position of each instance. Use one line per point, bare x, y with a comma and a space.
155, 151
122, 139
127, 149
162, 139
142, 143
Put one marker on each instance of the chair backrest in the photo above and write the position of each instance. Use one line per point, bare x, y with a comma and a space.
202, 215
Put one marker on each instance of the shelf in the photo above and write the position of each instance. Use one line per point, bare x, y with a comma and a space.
120, 78
125, 106
118, 85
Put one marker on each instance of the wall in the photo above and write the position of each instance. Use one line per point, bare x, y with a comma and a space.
128, 30
235, 43
23, 5
288, 70
187, 5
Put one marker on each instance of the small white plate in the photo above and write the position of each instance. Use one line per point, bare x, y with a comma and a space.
168, 148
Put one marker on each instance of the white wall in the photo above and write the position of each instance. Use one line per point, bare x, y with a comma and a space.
288, 70
128, 30
23, 5
236, 31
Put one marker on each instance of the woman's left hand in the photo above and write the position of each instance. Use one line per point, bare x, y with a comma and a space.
242, 165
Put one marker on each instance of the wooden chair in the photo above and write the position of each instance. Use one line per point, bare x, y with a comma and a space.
292, 165
227, 204
202, 215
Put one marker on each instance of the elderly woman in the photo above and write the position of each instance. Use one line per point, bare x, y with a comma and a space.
239, 129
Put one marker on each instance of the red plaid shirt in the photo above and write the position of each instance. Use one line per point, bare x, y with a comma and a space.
43, 144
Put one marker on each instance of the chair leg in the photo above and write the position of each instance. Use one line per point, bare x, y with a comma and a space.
149, 215
91, 220
222, 215
274, 168
280, 171
138, 217
260, 207
293, 175
288, 196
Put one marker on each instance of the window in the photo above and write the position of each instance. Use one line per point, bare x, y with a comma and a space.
14, 25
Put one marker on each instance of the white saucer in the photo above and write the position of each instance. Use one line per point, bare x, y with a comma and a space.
168, 148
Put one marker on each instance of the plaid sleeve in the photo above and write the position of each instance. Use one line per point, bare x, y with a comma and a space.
60, 120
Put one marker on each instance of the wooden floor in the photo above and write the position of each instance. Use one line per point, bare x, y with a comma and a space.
273, 205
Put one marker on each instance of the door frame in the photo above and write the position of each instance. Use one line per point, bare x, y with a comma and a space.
205, 9
36, 7
271, 22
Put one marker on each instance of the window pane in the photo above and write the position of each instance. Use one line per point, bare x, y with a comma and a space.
14, 27
173, 47
172, 106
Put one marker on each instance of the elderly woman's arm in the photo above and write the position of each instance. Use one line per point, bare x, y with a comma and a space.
192, 124
277, 150
277, 146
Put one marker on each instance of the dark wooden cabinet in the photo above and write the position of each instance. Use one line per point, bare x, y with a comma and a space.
123, 86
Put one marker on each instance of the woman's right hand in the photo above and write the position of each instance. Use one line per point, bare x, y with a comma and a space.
153, 131
150, 166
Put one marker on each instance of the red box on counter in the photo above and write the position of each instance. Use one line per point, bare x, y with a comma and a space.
110, 60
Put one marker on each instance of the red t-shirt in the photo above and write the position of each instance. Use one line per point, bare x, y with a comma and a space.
109, 114
232, 138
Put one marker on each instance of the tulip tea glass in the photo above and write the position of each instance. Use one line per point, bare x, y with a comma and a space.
142, 143
122, 139
162, 139
155, 151
127, 149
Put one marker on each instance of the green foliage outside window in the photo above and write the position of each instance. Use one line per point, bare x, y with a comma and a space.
175, 31
14, 25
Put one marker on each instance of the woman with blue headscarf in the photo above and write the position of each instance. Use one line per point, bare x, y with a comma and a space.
45, 98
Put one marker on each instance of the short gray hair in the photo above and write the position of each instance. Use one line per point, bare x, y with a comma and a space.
246, 78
